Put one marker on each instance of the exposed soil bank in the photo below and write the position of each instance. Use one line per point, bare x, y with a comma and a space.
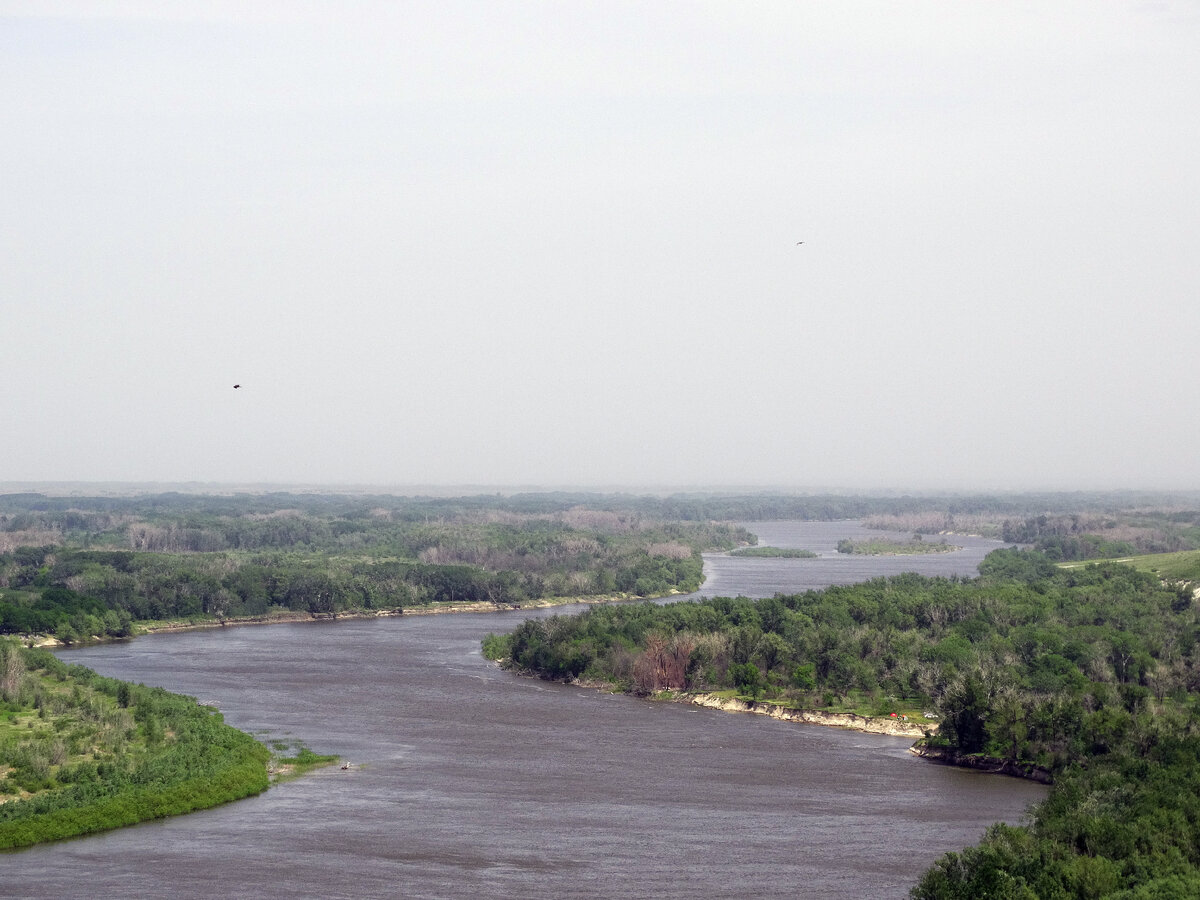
807, 716
876, 725
870, 725
288, 616
992, 764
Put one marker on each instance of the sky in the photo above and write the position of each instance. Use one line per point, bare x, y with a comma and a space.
556, 243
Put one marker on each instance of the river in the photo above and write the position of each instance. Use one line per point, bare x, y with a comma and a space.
471, 782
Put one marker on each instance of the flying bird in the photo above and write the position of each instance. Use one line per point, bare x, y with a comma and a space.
236, 386
798, 243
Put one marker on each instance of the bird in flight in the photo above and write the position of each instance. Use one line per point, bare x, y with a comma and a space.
798, 243
236, 386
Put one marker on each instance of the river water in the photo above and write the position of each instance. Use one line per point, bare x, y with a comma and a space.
471, 782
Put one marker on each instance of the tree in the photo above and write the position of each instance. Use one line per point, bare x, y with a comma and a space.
964, 714
804, 677
12, 670
771, 650
746, 678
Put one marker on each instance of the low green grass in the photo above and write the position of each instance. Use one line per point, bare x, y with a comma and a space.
1181, 566
300, 761
894, 548
774, 553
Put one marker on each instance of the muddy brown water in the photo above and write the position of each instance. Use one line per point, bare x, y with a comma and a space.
471, 782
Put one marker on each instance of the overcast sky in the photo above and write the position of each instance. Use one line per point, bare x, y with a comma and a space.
555, 243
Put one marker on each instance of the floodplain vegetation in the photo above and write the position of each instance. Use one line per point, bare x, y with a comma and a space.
80, 753
81, 568
1067, 527
86, 568
774, 553
1088, 676
878, 547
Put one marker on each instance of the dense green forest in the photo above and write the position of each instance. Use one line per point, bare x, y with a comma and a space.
80, 753
79, 568
1090, 674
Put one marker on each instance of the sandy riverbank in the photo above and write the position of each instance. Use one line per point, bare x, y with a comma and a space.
867, 724
850, 721
287, 616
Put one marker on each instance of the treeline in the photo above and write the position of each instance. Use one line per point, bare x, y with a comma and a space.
380, 524
84, 753
1118, 826
57, 610
180, 522
1027, 662
1122, 525
1092, 675
927, 513
79, 593
1109, 535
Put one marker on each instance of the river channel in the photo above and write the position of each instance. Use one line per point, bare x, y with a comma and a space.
471, 782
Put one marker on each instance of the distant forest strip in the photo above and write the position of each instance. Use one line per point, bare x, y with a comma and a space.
80, 753
104, 571
84, 567
1067, 525
1092, 675
75, 595
1089, 531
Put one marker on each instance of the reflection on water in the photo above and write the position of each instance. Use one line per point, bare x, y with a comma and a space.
470, 782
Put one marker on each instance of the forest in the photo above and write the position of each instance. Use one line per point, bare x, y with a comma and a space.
84, 568
80, 753
1089, 676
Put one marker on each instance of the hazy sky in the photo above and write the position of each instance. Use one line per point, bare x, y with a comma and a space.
556, 243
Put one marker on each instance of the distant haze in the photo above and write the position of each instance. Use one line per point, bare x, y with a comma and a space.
556, 243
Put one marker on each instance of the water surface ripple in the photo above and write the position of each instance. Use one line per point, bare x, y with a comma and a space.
470, 782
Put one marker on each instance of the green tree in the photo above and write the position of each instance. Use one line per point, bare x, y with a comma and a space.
746, 678
964, 715
804, 677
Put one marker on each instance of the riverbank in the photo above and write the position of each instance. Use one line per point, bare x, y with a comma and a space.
874, 725
853, 722
848, 721
84, 753
888, 725
291, 617
993, 765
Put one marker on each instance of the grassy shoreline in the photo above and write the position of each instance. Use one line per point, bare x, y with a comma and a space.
81, 753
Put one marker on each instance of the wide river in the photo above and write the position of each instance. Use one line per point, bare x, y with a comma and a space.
471, 782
